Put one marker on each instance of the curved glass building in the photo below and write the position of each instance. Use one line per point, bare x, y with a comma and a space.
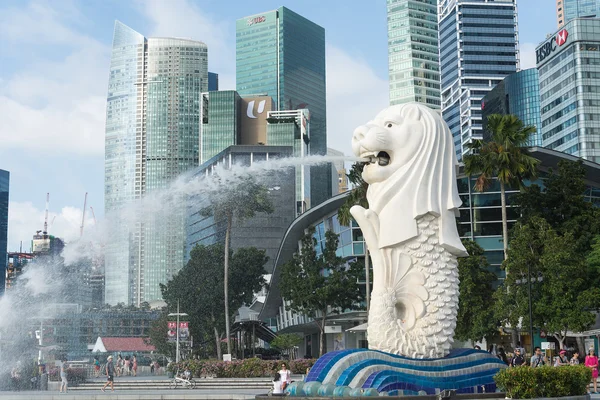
517, 94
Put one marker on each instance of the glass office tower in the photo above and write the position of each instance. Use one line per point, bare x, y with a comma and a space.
282, 54
517, 94
478, 48
413, 60
569, 66
566, 10
4, 183
152, 136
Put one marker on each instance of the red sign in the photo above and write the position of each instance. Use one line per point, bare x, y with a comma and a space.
183, 325
172, 325
561, 37
256, 20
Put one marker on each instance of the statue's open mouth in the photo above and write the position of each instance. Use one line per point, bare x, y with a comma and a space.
381, 158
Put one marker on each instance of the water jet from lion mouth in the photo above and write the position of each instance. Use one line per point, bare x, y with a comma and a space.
382, 158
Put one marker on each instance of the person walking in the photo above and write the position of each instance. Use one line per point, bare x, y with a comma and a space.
110, 374
518, 359
575, 359
561, 359
134, 366
63, 376
591, 361
538, 359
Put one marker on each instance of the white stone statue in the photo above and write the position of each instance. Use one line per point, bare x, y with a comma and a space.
410, 229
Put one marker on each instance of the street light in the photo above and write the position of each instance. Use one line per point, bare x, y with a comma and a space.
529, 280
178, 314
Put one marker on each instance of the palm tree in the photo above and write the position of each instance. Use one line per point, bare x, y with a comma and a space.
241, 199
505, 156
358, 196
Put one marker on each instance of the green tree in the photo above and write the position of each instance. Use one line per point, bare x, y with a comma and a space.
504, 156
319, 285
475, 319
562, 203
562, 299
200, 290
240, 199
286, 342
357, 196
157, 335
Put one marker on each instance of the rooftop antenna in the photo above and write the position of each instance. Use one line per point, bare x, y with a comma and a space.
83, 216
45, 232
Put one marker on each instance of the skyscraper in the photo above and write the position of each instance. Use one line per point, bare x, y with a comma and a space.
478, 48
517, 94
152, 136
566, 10
4, 183
414, 68
569, 67
282, 54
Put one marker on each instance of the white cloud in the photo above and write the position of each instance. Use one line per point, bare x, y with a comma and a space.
527, 55
182, 18
355, 94
24, 219
58, 104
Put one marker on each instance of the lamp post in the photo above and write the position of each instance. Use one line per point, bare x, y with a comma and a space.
178, 314
529, 280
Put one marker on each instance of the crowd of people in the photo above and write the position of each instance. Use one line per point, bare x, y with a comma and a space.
539, 359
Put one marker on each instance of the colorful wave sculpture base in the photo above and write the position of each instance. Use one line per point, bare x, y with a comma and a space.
363, 372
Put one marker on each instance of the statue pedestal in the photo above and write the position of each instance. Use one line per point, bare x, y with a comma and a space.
363, 372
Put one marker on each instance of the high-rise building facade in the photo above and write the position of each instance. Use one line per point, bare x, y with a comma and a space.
152, 136
281, 54
568, 63
413, 59
478, 48
4, 190
566, 10
517, 94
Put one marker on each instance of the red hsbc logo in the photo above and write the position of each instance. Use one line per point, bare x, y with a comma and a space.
561, 37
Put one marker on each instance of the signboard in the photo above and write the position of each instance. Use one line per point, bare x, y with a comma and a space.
548, 345
551, 45
589, 344
184, 332
256, 20
226, 357
333, 329
172, 331
253, 124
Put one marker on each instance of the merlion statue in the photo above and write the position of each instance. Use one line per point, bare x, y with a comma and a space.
410, 230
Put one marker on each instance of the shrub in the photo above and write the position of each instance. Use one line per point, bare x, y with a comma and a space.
248, 368
529, 383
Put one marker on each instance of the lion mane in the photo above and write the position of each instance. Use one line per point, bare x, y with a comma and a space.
426, 184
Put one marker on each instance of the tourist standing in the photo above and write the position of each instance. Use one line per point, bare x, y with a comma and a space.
538, 359
134, 366
575, 359
591, 361
63, 375
110, 374
127, 365
96, 367
518, 359
561, 359
119, 365
502, 355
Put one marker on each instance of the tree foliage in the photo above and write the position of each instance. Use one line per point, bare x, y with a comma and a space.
358, 195
199, 288
503, 156
562, 299
239, 198
286, 341
320, 284
475, 319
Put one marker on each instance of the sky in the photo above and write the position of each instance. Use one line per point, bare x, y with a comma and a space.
54, 63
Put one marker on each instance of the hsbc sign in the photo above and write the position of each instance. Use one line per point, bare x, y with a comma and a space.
550, 46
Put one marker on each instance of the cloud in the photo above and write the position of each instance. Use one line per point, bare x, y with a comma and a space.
181, 18
355, 94
57, 101
24, 219
527, 55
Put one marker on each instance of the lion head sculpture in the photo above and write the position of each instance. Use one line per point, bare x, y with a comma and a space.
414, 173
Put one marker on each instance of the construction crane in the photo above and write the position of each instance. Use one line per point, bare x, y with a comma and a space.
83, 216
93, 214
